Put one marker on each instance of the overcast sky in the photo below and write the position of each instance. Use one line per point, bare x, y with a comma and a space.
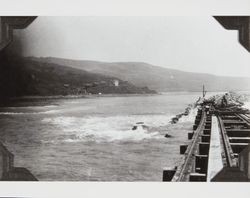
195, 44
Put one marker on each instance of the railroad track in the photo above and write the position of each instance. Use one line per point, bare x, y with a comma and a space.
217, 148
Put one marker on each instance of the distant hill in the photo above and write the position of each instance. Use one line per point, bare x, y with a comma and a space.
24, 76
154, 77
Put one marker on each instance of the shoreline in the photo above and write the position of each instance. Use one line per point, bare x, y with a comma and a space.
48, 99
78, 96
110, 95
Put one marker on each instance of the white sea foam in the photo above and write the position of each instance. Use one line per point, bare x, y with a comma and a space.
246, 105
33, 107
11, 113
27, 113
190, 117
116, 128
49, 112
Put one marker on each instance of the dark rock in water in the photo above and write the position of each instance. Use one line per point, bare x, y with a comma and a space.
174, 120
186, 112
140, 125
134, 128
179, 115
167, 136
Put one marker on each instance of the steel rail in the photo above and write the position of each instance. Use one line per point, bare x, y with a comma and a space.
243, 117
191, 149
230, 159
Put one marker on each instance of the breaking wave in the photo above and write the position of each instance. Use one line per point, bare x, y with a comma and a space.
190, 117
116, 128
27, 113
246, 105
32, 107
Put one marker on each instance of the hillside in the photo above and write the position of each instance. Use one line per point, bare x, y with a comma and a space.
154, 77
22, 76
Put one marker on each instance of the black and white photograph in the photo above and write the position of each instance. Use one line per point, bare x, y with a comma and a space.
125, 98
114, 98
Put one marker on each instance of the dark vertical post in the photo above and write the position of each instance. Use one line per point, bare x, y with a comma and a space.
203, 91
168, 174
190, 135
183, 148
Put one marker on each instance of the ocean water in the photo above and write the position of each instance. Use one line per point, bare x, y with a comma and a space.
91, 139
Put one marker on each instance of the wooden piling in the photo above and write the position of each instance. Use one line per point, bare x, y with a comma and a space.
183, 148
203, 148
190, 135
201, 162
168, 174
205, 138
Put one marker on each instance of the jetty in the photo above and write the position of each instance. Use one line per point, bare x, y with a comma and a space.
219, 147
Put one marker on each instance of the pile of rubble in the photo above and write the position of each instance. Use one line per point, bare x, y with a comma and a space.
227, 100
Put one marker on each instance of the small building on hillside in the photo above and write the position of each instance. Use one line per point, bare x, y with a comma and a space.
116, 82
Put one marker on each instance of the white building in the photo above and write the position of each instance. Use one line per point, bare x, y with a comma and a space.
116, 83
